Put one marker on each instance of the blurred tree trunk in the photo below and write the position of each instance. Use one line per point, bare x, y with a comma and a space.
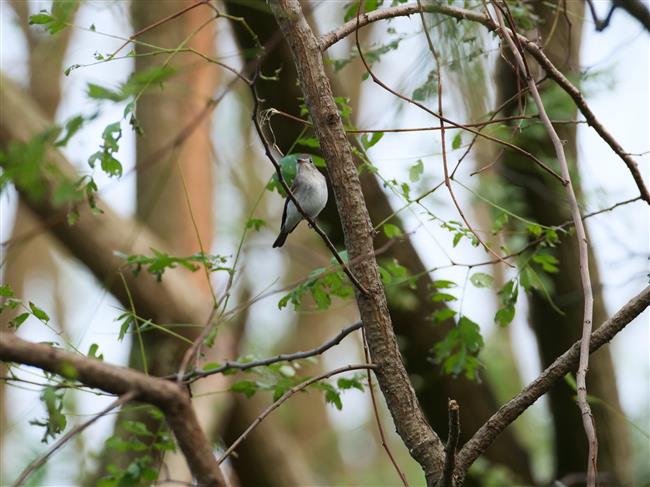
174, 187
46, 53
412, 323
545, 202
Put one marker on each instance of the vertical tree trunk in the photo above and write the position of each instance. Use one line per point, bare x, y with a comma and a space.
167, 179
545, 203
412, 325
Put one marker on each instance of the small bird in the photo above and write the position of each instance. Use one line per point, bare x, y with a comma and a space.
310, 189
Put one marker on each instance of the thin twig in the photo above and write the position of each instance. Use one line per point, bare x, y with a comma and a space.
587, 417
157, 24
40, 461
375, 409
283, 398
327, 40
452, 445
194, 375
442, 136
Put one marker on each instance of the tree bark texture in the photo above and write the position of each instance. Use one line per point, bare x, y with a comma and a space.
423, 444
544, 202
411, 323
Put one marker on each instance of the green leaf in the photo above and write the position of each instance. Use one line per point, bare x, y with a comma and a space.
548, 262
18, 320
504, 316
481, 279
534, 230
349, 383
288, 167
211, 366
442, 284
98, 92
255, 223
499, 222
442, 297
246, 387
6, 291
416, 171
41, 18
38, 312
443, 314
92, 352
456, 141
457, 238
369, 140
137, 428
391, 230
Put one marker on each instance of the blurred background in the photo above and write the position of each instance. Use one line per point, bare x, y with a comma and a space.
204, 190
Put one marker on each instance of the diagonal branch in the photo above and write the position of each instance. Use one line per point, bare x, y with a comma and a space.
327, 40
564, 364
284, 397
284, 357
169, 397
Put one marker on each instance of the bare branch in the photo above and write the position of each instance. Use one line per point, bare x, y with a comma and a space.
286, 396
564, 364
40, 461
166, 395
346, 29
452, 445
583, 250
284, 357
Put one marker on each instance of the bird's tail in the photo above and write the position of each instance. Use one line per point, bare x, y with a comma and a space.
279, 242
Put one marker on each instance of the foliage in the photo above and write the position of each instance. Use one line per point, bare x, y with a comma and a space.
279, 378
139, 440
161, 261
458, 351
56, 421
56, 20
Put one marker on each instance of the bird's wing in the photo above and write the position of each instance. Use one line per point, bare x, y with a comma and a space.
287, 200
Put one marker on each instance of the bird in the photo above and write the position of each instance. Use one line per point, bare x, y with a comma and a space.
310, 190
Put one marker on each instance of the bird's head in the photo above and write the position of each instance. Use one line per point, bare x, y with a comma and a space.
305, 163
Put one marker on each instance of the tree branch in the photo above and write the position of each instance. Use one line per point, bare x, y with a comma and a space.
283, 357
564, 364
284, 397
423, 443
452, 445
166, 395
346, 29
583, 251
